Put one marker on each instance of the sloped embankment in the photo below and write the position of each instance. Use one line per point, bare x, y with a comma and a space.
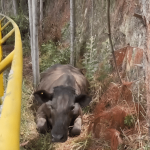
120, 116
118, 120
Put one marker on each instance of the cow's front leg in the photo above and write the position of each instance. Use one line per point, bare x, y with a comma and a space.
41, 119
42, 125
76, 130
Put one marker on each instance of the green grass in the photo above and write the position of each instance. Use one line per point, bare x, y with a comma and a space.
27, 118
28, 126
82, 144
129, 121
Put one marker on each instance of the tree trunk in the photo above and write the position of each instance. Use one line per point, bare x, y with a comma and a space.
32, 4
2, 6
92, 15
30, 22
15, 7
41, 18
72, 32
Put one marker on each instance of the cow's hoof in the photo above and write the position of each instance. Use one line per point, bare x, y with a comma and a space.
42, 125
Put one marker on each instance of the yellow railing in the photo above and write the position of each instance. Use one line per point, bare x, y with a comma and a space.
11, 112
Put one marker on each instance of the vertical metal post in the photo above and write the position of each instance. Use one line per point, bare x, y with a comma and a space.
72, 31
41, 18
32, 5
1, 75
35, 48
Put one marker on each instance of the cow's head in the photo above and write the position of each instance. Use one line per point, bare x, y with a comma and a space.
64, 104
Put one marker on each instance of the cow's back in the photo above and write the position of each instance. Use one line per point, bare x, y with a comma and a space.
63, 75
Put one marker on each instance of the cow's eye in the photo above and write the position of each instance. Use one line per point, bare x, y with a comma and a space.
72, 107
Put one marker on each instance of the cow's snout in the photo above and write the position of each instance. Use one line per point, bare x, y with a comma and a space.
58, 138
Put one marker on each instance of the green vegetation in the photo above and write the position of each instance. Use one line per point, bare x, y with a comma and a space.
26, 46
83, 143
52, 54
28, 133
23, 23
91, 61
86, 110
104, 72
65, 32
129, 121
11, 39
43, 142
27, 118
146, 147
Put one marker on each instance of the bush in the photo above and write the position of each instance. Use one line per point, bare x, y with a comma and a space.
23, 23
129, 121
96, 63
50, 55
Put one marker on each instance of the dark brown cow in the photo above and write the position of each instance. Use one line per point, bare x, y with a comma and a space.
62, 92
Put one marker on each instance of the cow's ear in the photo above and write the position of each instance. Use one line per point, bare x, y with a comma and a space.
43, 96
83, 100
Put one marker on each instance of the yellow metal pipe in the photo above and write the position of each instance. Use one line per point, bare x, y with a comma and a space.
11, 113
2, 19
5, 63
7, 36
5, 25
1, 75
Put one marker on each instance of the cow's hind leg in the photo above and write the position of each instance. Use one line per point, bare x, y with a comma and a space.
42, 125
76, 130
